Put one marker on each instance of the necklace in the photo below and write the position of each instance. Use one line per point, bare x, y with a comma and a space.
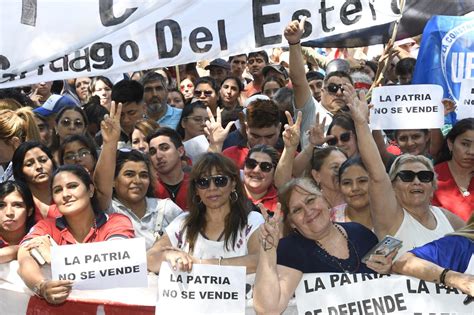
344, 264
173, 190
464, 191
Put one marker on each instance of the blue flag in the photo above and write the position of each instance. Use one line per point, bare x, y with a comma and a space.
446, 55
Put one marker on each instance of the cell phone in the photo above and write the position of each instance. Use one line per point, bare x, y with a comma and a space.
35, 253
385, 247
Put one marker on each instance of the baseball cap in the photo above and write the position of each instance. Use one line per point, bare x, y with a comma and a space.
218, 63
54, 104
278, 68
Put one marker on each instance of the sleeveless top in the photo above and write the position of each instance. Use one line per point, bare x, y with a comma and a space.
414, 234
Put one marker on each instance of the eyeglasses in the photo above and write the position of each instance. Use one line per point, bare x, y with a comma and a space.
264, 166
67, 122
205, 182
344, 137
409, 176
197, 119
198, 93
333, 88
72, 157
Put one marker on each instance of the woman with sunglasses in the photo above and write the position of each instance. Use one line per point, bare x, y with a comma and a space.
78, 149
207, 91
312, 244
455, 170
341, 133
400, 200
33, 164
219, 227
125, 184
259, 170
16, 217
82, 221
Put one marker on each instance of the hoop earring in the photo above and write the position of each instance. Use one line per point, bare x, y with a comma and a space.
234, 196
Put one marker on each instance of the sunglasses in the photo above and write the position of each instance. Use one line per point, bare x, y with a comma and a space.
264, 166
67, 122
409, 176
205, 182
345, 137
333, 88
206, 93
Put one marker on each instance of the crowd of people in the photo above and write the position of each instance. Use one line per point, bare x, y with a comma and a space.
261, 161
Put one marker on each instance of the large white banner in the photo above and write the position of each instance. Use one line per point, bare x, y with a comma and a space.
101, 265
345, 293
49, 39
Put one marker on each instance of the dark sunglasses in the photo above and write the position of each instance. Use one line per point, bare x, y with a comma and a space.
346, 136
333, 88
205, 182
409, 176
199, 93
264, 166
67, 122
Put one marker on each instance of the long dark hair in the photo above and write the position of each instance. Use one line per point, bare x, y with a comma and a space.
235, 220
84, 177
10, 186
19, 157
188, 110
459, 128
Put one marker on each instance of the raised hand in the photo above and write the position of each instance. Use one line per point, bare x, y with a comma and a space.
357, 104
271, 230
294, 30
110, 126
215, 133
291, 134
316, 132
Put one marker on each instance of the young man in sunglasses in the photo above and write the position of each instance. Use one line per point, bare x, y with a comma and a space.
155, 97
166, 150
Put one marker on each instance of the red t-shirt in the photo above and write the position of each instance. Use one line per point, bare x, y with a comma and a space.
237, 154
449, 196
270, 199
53, 213
251, 89
180, 197
107, 226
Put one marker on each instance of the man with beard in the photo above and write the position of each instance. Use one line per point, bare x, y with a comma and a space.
155, 97
166, 150
255, 63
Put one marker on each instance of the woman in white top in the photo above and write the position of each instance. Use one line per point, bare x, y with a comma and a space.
400, 201
124, 184
219, 228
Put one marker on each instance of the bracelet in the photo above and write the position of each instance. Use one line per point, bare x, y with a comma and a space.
292, 44
37, 288
219, 262
442, 276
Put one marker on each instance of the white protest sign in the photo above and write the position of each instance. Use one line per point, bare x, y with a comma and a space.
465, 106
101, 265
416, 106
207, 289
50, 40
196, 147
345, 293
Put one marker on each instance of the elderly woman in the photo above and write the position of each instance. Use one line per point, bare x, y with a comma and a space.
82, 222
445, 260
219, 227
259, 169
315, 245
400, 201
455, 170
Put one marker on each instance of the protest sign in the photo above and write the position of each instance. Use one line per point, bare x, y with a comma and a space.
109, 37
345, 293
407, 107
465, 106
101, 265
207, 289
446, 55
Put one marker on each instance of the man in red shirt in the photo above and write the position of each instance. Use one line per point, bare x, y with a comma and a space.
166, 150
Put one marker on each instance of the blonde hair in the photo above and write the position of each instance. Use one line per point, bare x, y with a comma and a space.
9, 103
409, 158
18, 123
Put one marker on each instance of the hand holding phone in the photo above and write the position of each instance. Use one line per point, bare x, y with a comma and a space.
384, 248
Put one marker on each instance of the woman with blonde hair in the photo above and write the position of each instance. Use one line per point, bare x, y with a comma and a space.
16, 127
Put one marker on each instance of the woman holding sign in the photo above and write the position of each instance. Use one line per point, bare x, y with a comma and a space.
82, 222
219, 227
400, 200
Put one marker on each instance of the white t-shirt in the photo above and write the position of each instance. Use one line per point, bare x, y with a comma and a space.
208, 249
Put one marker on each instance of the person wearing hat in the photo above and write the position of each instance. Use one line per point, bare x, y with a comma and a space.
52, 106
218, 70
275, 70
